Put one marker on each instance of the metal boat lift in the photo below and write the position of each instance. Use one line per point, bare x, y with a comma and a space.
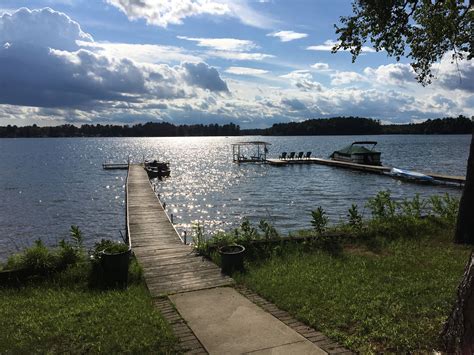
250, 152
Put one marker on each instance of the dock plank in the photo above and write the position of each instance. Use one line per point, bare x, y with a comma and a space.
169, 266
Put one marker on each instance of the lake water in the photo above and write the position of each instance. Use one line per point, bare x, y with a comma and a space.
48, 184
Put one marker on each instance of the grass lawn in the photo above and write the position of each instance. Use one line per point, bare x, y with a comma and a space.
392, 300
63, 315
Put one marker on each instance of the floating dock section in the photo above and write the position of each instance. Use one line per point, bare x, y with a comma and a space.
361, 167
115, 166
340, 164
169, 266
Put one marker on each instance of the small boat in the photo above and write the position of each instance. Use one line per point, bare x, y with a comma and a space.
411, 175
157, 169
358, 154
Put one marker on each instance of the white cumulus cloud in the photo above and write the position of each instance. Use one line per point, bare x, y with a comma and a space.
454, 76
228, 48
393, 74
328, 45
239, 55
287, 36
303, 80
320, 66
164, 12
245, 71
346, 77
223, 44
168, 12
51, 73
44, 27
144, 53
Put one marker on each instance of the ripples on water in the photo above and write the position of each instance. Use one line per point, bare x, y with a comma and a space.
48, 184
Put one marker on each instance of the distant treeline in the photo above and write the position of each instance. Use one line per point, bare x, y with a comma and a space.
362, 126
459, 125
150, 129
330, 126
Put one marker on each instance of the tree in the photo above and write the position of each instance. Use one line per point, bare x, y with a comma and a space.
424, 31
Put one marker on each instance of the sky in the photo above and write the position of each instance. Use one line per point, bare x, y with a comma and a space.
253, 63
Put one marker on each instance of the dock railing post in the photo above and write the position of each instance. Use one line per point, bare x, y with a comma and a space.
171, 218
184, 237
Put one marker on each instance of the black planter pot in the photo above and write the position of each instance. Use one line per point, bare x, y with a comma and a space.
232, 258
115, 268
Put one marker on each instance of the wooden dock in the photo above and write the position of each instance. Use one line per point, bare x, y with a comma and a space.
115, 166
361, 167
448, 178
330, 162
169, 265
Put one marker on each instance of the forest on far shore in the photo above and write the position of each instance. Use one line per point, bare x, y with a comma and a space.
320, 126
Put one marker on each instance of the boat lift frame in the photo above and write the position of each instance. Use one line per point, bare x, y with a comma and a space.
260, 155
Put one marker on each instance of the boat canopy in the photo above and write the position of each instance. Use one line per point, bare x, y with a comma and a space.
356, 149
365, 142
351, 149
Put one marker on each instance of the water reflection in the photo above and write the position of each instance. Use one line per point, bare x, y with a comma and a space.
48, 184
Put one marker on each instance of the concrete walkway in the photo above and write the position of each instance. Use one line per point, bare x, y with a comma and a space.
225, 322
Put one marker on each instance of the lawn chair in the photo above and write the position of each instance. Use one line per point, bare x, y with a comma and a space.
300, 155
292, 155
307, 155
283, 155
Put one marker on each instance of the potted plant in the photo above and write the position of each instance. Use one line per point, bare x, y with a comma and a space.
232, 258
114, 261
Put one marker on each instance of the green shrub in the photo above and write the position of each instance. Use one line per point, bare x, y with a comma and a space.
382, 205
70, 253
413, 208
199, 240
445, 207
355, 219
76, 236
269, 232
14, 261
39, 258
247, 231
319, 220
67, 254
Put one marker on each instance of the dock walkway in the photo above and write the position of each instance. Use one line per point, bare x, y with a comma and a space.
169, 266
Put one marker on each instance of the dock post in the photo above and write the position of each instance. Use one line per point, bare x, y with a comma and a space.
171, 218
184, 237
